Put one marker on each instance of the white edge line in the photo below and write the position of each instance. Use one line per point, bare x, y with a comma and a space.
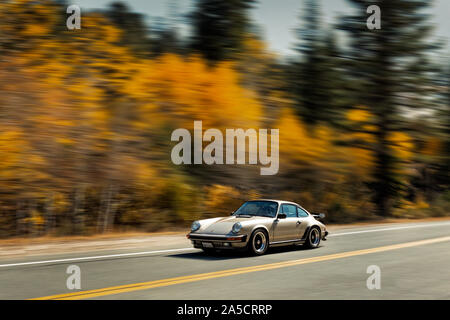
388, 229
93, 257
190, 249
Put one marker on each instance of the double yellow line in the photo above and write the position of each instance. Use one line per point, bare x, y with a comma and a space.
230, 272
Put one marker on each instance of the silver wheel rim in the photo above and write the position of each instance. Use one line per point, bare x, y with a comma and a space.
259, 242
314, 237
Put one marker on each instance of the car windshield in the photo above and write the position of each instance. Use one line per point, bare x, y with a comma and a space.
258, 208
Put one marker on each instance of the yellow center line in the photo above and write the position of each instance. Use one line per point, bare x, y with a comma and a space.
230, 272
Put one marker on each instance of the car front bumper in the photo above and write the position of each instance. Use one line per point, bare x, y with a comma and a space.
212, 241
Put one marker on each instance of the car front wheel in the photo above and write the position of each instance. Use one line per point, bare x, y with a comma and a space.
259, 243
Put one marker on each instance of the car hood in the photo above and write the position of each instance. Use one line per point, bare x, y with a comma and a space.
223, 225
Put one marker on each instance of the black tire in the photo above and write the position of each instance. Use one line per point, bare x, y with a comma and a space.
313, 238
258, 243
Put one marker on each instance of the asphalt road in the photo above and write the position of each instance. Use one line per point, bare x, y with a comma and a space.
414, 262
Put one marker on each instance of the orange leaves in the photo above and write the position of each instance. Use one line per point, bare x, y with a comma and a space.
304, 146
358, 115
19, 159
221, 198
300, 143
402, 145
9, 149
433, 147
97, 30
187, 90
364, 139
38, 18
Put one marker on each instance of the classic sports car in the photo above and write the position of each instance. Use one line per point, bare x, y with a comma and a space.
258, 224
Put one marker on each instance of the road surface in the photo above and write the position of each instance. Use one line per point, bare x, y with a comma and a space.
413, 259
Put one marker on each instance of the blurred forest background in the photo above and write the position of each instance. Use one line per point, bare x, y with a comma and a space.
86, 115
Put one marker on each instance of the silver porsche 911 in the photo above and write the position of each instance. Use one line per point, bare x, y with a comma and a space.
258, 224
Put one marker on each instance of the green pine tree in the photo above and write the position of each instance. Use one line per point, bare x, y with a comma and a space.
391, 69
315, 76
135, 31
219, 27
444, 117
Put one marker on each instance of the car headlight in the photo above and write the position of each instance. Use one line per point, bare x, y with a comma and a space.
195, 226
236, 227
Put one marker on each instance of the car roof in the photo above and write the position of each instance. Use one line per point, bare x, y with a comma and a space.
280, 202
274, 200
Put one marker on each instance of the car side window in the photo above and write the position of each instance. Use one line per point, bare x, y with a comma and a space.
289, 210
301, 213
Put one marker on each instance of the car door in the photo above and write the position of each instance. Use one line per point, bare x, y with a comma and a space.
303, 216
288, 228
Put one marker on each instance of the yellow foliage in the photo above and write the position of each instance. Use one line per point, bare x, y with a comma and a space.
146, 174
36, 219
60, 203
220, 198
37, 18
10, 149
81, 109
433, 146
299, 143
65, 141
358, 115
187, 90
402, 145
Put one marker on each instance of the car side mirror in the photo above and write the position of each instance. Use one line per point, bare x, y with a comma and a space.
232, 212
282, 216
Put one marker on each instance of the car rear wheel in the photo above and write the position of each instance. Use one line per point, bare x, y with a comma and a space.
313, 239
259, 242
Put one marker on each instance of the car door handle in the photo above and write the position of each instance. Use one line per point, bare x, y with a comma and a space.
298, 222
